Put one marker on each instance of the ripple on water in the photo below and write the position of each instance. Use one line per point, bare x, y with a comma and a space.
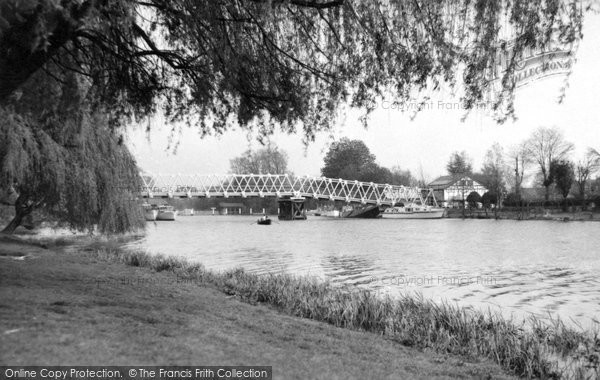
534, 268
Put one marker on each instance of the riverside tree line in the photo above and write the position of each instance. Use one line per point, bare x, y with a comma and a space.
545, 159
75, 74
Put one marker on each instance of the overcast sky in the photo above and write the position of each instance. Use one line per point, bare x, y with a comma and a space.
427, 141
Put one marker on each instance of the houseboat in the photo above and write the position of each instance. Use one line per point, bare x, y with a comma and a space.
413, 211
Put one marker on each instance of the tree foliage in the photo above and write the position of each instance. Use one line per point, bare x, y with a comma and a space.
495, 170
473, 198
585, 168
562, 174
401, 177
352, 160
269, 160
59, 154
488, 199
459, 164
73, 71
347, 159
521, 160
544, 146
296, 61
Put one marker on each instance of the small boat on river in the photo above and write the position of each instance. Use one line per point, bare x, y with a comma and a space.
264, 221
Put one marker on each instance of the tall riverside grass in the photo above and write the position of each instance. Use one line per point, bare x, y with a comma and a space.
531, 348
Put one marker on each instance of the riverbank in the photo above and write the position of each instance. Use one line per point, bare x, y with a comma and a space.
532, 214
86, 298
85, 308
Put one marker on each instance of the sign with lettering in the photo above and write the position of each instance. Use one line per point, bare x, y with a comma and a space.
537, 63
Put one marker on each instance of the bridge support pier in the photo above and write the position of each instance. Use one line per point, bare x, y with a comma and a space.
291, 209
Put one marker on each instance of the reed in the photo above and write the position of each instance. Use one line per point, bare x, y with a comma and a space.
533, 348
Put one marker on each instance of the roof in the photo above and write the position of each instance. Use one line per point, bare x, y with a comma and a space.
445, 180
230, 205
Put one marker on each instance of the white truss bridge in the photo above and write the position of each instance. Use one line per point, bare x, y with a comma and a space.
281, 186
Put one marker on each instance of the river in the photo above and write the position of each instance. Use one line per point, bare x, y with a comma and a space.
545, 268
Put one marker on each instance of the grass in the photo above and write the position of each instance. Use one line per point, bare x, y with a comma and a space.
530, 349
61, 306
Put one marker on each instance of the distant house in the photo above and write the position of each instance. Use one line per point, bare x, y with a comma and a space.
450, 191
231, 208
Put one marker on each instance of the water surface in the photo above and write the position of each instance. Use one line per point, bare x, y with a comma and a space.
518, 267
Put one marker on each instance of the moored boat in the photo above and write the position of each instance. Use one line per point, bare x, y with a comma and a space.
150, 214
166, 212
351, 211
413, 212
331, 213
363, 212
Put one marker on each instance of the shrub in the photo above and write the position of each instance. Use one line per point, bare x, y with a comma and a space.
473, 198
488, 199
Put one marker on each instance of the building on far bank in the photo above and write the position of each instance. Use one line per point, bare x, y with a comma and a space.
231, 208
450, 191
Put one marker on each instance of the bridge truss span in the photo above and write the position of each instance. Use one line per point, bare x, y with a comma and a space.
279, 185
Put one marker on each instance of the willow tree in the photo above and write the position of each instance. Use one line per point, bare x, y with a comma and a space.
292, 62
60, 155
297, 61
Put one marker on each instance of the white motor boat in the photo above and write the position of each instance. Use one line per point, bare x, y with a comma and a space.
330, 213
151, 214
413, 212
166, 212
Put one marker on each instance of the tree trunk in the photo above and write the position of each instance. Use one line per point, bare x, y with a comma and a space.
463, 203
14, 223
547, 195
22, 208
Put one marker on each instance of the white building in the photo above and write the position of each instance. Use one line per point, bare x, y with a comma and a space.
450, 191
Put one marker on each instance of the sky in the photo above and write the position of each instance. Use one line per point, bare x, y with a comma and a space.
422, 144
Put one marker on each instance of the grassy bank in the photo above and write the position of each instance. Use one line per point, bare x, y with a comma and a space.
62, 306
531, 349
